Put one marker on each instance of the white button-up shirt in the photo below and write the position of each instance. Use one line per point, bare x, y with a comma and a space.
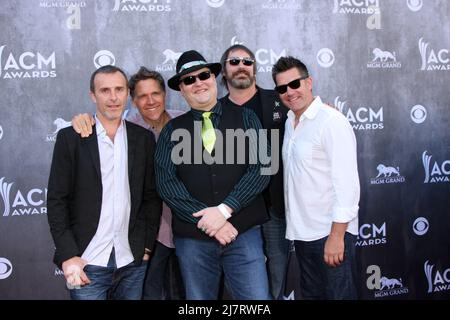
112, 230
321, 183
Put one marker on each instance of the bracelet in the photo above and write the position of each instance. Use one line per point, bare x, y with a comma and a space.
224, 211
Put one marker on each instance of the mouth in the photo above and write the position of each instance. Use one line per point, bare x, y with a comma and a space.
241, 74
293, 99
200, 91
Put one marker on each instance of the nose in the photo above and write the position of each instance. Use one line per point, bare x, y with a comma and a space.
113, 95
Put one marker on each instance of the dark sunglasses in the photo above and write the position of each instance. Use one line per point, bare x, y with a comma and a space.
205, 75
246, 61
294, 84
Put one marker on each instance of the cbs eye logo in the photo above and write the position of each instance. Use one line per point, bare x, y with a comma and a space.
420, 226
414, 5
104, 58
5, 268
418, 114
325, 57
215, 3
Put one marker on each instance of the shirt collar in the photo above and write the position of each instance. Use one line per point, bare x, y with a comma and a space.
216, 111
313, 109
101, 132
310, 112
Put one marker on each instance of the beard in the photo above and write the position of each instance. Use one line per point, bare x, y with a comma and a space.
241, 83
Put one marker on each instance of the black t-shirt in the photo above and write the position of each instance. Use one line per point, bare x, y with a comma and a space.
254, 104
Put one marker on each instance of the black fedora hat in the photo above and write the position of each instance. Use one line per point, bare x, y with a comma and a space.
188, 62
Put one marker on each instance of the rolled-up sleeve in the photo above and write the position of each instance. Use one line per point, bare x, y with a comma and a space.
340, 145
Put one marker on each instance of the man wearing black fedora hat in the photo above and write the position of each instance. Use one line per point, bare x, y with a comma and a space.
217, 207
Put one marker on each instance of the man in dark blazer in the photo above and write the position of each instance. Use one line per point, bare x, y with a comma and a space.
239, 77
103, 209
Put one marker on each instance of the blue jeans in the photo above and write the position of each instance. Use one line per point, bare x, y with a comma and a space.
163, 277
276, 248
111, 283
320, 281
242, 262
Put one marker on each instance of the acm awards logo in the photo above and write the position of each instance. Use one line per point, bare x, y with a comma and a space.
282, 5
361, 118
356, 7
437, 280
142, 5
60, 123
387, 175
6, 268
27, 64
371, 235
435, 172
265, 57
22, 203
433, 59
384, 60
382, 285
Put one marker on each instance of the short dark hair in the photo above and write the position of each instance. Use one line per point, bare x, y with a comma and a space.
285, 63
144, 74
106, 69
225, 56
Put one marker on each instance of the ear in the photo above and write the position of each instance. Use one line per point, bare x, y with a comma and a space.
93, 98
182, 91
309, 83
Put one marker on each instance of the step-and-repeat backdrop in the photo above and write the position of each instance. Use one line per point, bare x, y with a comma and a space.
384, 63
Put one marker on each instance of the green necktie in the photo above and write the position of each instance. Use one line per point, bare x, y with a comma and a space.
208, 134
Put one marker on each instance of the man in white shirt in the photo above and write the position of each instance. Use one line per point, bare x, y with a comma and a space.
321, 186
103, 209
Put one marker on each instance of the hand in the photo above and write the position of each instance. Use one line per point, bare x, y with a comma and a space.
82, 124
212, 220
73, 272
226, 234
147, 254
334, 250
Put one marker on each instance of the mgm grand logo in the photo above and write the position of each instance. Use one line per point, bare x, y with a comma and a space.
384, 60
387, 174
384, 286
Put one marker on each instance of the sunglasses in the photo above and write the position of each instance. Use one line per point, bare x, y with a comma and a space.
294, 84
205, 75
235, 61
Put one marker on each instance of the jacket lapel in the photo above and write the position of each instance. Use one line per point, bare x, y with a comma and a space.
266, 109
131, 139
92, 145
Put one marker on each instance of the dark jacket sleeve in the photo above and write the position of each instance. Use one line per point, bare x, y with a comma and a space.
59, 195
152, 203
